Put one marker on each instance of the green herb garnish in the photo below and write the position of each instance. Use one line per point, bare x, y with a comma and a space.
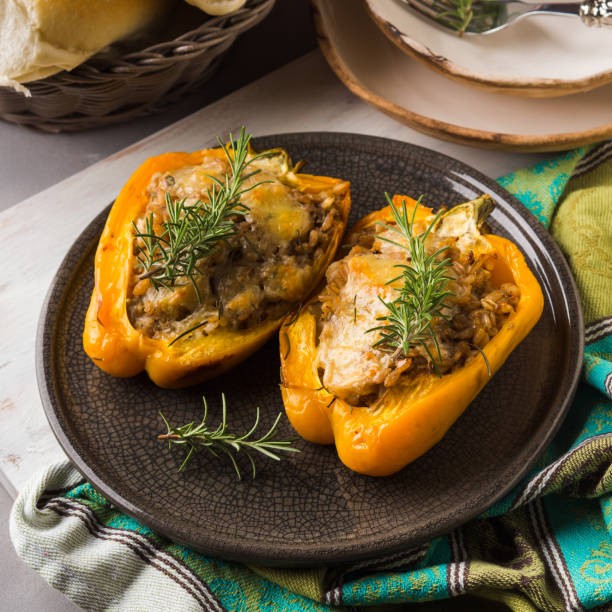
458, 13
467, 15
193, 232
189, 331
408, 322
219, 440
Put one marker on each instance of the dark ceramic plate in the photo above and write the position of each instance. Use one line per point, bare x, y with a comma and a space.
309, 509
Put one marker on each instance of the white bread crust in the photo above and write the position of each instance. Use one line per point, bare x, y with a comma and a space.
218, 7
41, 37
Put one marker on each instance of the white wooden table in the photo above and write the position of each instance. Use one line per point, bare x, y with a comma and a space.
302, 96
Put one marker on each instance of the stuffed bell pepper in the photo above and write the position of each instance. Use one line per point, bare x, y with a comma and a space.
410, 326
201, 257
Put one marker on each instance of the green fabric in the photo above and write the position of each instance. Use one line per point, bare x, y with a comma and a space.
546, 546
583, 229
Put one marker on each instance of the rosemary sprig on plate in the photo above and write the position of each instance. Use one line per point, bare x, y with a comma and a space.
408, 322
193, 232
467, 15
220, 441
458, 16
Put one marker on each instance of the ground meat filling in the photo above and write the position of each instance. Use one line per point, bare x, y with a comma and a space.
351, 369
257, 274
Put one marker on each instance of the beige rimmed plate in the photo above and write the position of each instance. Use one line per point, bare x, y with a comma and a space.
539, 56
376, 70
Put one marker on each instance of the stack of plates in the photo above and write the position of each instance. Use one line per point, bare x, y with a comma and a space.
542, 84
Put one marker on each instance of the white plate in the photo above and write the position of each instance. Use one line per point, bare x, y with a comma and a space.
377, 71
538, 56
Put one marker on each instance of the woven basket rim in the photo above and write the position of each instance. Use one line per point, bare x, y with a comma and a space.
111, 88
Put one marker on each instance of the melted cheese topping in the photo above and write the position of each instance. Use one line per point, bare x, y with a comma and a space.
351, 303
351, 367
192, 181
269, 262
275, 210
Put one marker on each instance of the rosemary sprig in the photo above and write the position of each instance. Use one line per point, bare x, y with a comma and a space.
193, 232
189, 331
468, 15
486, 360
219, 440
460, 16
408, 322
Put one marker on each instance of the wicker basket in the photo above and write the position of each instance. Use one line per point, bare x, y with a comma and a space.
111, 87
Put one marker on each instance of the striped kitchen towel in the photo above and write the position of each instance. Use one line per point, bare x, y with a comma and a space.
546, 546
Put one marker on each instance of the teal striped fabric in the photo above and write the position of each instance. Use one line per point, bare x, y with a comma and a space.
546, 546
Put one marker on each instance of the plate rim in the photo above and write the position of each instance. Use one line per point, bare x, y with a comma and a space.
497, 141
518, 86
309, 555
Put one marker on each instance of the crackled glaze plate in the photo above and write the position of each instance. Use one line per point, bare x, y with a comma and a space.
308, 509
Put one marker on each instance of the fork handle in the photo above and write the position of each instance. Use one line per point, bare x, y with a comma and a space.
596, 12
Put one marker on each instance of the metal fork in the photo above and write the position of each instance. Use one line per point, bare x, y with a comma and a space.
488, 16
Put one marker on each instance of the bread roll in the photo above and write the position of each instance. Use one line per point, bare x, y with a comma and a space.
41, 37
218, 7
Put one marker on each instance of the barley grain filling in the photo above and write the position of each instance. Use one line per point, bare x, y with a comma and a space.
259, 273
349, 306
